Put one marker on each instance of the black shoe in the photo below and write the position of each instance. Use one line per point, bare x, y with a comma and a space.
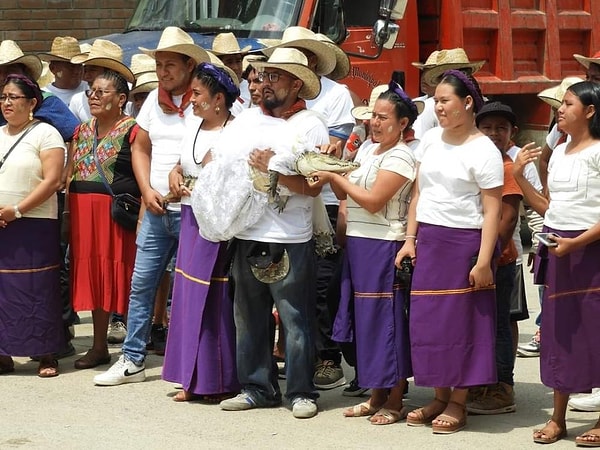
353, 389
158, 339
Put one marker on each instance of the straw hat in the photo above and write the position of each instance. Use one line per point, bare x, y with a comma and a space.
46, 77
554, 95
366, 112
215, 61
11, 53
300, 37
342, 62
441, 60
293, 61
105, 54
251, 60
144, 69
585, 62
63, 49
227, 44
176, 40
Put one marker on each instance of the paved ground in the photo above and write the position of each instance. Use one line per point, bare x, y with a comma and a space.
69, 412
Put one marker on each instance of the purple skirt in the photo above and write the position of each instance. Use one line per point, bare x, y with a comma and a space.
30, 303
452, 325
570, 355
372, 313
200, 351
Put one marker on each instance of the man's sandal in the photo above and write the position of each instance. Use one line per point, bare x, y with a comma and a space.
453, 424
426, 414
361, 410
548, 435
48, 368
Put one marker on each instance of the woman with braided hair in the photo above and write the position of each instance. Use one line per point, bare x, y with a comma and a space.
452, 233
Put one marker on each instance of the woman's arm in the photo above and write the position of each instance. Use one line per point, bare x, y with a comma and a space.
53, 161
567, 245
409, 247
536, 200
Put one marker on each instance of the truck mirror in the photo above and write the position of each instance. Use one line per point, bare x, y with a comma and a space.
393, 8
385, 33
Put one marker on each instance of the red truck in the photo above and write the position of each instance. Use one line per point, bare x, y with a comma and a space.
527, 45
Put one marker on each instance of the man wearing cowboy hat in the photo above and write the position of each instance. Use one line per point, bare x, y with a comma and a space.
431, 72
67, 76
103, 55
53, 110
227, 49
163, 120
335, 104
274, 259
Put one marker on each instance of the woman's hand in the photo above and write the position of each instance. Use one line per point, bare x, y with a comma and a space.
319, 178
176, 185
481, 276
260, 159
564, 247
331, 149
529, 153
7, 215
408, 249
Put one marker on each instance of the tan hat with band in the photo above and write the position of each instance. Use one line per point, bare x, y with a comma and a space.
105, 54
442, 60
63, 49
342, 62
175, 40
11, 53
554, 95
227, 44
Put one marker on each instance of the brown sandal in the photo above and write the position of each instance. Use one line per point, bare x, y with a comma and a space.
185, 396
454, 424
543, 437
361, 410
426, 414
390, 415
590, 438
48, 368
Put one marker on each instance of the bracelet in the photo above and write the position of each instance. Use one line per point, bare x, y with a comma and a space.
410, 236
66, 212
139, 221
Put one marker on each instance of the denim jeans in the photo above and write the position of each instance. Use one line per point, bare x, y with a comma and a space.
294, 297
505, 361
156, 243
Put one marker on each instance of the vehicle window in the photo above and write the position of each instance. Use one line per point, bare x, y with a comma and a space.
329, 20
360, 13
246, 18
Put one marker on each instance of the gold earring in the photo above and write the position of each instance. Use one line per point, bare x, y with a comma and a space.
217, 109
30, 116
401, 135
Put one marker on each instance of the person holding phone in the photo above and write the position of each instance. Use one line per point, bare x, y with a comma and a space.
455, 214
570, 356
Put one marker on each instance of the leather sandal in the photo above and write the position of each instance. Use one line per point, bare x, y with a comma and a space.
454, 424
361, 410
390, 415
426, 414
543, 437
48, 368
590, 438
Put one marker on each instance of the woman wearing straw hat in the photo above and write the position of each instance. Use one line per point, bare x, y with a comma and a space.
200, 352
455, 213
227, 48
102, 251
144, 70
30, 174
67, 76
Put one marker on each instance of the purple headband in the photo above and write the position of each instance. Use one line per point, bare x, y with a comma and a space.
469, 85
26, 80
222, 78
396, 89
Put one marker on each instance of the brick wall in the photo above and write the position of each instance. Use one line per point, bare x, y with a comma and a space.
33, 24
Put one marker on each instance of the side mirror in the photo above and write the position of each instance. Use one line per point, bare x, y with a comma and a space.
385, 33
393, 8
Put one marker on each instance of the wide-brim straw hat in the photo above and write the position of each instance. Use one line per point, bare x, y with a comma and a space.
227, 44
11, 53
365, 112
46, 77
215, 61
63, 49
442, 60
142, 63
294, 62
554, 95
105, 54
251, 60
145, 82
585, 61
342, 62
175, 40
300, 37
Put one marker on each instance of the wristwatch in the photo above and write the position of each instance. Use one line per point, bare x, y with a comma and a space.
18, 214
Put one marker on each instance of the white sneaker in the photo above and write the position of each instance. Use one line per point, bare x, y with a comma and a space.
121, 372
304, 408
588, 402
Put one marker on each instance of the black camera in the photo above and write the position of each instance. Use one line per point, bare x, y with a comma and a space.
404, 272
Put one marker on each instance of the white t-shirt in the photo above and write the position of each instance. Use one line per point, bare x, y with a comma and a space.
245, 93
574, 186
427, 119
22, 170
554, 136
166, 132
389, 223
66, 94
451, 177
294, 223
195, 145
531, 174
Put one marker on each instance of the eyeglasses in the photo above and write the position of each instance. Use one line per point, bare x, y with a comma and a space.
11, 97
99, 93
273, 77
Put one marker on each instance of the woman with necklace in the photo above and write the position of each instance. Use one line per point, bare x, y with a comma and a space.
31, 161
200, 352
102, 251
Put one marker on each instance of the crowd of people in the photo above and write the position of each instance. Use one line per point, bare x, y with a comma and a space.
143, 176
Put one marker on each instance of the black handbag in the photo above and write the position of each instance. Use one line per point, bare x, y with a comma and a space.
125, 208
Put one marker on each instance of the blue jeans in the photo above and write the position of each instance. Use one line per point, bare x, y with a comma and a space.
156, 244
505, 361
294, 297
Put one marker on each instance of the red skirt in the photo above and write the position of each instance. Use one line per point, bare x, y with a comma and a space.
102, 255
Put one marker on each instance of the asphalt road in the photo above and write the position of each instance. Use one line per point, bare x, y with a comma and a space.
69, 412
